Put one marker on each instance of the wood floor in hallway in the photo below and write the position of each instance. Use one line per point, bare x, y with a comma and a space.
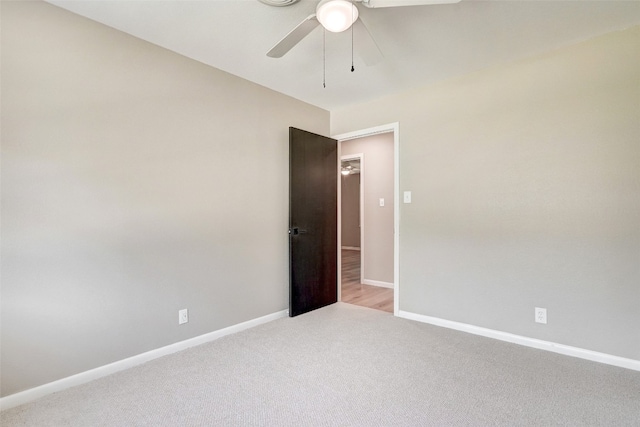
354, 292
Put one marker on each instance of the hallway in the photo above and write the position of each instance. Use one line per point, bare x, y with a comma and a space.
354, 292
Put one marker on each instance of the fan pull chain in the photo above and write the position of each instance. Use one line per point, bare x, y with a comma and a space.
352, 23
324, 58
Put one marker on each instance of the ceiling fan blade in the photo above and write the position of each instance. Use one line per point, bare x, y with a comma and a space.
294, 37
365, 46
394, 3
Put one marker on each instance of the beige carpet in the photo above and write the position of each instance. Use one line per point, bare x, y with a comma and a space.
348, 366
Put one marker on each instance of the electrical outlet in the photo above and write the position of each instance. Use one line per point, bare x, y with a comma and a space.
541, 315
183, 316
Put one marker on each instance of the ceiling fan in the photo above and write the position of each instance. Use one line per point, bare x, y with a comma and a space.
340, 15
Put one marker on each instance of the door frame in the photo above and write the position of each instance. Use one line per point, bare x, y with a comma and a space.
359, 156
386, 128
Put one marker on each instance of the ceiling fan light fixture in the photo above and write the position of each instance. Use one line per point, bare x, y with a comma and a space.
336, 15
278, 3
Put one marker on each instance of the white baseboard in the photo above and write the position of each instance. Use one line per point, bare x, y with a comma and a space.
102, 371
351, 248
566, 350
377, 283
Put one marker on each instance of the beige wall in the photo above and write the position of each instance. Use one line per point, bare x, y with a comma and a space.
526, 193
377, 167
135, 183
350, 210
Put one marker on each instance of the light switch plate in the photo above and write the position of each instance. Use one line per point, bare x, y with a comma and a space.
407, 196
381, 202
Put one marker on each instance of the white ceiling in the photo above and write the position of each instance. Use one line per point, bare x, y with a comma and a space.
421, 44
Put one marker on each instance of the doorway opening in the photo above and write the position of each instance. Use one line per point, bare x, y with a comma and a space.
368, 218
355, 288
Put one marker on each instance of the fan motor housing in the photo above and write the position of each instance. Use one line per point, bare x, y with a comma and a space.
279, 3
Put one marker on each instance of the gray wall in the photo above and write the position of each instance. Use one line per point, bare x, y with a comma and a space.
526, 193
350, 210
135, 183
378, 220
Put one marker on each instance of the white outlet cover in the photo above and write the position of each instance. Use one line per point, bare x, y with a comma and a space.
541, 315
183, 316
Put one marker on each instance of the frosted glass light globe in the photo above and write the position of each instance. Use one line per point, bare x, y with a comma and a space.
336, 15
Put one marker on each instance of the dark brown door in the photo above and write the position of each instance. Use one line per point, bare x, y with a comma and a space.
313, 222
